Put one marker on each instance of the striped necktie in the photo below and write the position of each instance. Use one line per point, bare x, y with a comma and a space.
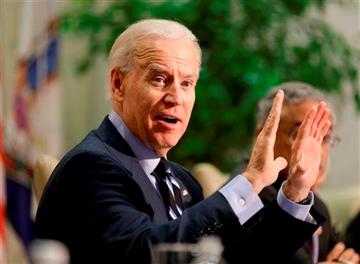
169, 189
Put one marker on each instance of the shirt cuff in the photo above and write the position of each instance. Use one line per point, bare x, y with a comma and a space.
299, 211
242, 199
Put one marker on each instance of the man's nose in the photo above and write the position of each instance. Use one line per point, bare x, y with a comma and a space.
173, 94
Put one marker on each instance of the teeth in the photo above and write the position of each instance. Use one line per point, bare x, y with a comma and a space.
169, 117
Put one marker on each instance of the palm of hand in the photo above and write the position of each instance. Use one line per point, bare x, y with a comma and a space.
305, 160
306, 153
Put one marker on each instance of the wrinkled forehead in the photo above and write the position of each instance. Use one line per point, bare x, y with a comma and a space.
152, 49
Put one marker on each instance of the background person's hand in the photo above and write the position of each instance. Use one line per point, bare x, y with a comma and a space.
306, 153
262, 169
341, 254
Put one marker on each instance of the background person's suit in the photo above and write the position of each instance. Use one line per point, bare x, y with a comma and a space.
328, 236
100, 203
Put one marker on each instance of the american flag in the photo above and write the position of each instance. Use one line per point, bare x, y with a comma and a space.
33, 122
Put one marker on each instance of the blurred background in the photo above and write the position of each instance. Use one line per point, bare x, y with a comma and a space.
53, 85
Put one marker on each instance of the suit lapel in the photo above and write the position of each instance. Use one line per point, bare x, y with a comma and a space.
150, 194
123, 153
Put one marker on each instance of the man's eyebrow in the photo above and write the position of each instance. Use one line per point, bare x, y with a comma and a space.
192, 76
156, 68
161, 69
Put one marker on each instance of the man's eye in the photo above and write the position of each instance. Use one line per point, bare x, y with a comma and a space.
159, 80
186, 84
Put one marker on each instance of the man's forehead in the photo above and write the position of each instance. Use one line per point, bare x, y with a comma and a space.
152, 47
296, 112
162, 56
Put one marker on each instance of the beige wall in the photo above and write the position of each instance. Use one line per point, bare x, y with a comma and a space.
341, 192
345, 158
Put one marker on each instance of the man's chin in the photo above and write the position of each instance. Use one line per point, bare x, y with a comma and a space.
164, 146
168, 145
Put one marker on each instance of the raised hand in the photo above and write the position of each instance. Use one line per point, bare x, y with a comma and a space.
262, 169
341, 254
306, 153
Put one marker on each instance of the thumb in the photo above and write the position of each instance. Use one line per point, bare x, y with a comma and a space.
280, 163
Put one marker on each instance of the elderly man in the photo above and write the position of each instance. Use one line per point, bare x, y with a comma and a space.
115, 195
299, 99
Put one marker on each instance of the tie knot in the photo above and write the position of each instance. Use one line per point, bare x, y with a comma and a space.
162, 169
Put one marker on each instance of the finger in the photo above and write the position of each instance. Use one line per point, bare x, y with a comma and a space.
324, 117
347, 255
324, 131
322, 122
336, 251
272, 121
305, 126
355, 258
320, 112
280, 163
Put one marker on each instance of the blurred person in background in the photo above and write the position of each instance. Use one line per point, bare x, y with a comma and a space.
299, 98
115, 195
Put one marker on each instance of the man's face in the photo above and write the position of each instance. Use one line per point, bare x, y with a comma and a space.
291, 117
156, 98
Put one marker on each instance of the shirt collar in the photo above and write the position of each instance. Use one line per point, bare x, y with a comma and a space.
147, 157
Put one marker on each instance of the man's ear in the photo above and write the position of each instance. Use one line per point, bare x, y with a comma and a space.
116, 84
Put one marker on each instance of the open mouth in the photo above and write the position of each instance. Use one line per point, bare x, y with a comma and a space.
168, 119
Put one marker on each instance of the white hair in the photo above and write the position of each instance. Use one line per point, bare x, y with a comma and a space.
122, 52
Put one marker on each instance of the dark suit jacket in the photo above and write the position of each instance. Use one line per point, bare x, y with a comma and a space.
328, 236
100, 203
352, 234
